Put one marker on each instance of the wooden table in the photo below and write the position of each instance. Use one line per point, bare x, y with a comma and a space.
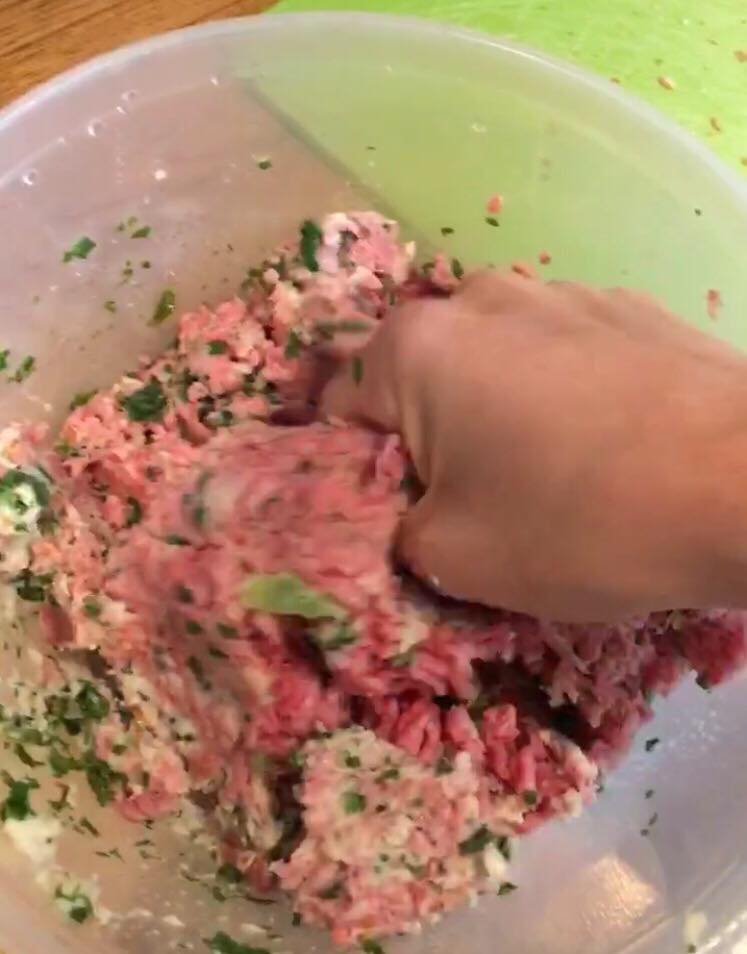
39, 38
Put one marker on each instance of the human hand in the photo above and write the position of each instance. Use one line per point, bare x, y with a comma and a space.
582, 451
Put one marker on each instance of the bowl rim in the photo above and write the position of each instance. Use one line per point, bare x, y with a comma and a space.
69, 79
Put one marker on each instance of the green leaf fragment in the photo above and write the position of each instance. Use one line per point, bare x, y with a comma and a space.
356, 368
222, 943
80, 249
477, 841
148, 403
311, 239
353, 803
24, 369
506, 888
164, 307
294, 345
287, 595
134, 512
370, 946
17, 805
75, 904
82, 398
143, 232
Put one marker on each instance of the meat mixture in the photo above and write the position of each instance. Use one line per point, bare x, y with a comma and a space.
355, 740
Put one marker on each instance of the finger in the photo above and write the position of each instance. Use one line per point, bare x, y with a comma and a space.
449, 552
361, 389
491, 290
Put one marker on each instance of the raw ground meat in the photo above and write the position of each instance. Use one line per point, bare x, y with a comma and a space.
360, 742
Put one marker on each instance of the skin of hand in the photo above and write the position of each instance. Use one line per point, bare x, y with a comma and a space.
583, 451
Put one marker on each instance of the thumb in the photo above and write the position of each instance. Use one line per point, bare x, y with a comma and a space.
448, 551
362, 388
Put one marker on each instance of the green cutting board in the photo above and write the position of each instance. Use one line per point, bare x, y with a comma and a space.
700, 46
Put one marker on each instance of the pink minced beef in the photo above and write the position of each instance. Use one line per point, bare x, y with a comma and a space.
365, 745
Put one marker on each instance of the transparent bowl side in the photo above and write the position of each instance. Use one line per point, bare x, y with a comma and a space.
428, 123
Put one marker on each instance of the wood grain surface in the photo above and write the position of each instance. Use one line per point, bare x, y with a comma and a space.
39, 38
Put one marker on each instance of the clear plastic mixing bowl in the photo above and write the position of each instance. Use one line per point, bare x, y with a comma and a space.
427, 122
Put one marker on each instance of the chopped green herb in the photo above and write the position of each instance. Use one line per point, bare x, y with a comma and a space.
230, 632
447, 230
193, 627
353, 802
110, 305
58, 804
24, 756
530, 797
296, 919
184, 594
403, 659
297, 759
75, 904
16, 805
66, 449
444, 766
86, 825
92, 607
60, 763
196, 668
143, 232
112, 853
388, 775
101, 778
230, 873
457, 269
343, 635
506, 888
492, 220
145, 263
504, 846
91, 703
477, 841
24, 369
356, 368
164, 307
32, 587
4, 355
82, 398
134, 512
14, 487
649, 793
217, 346
287, 595
294, 345
311, 239
352, 761
692, 948
80, 249
127, 271
651, 744
703, 683
148, 403
177, 541
370, 946
265, 164
217, 653
221, 943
